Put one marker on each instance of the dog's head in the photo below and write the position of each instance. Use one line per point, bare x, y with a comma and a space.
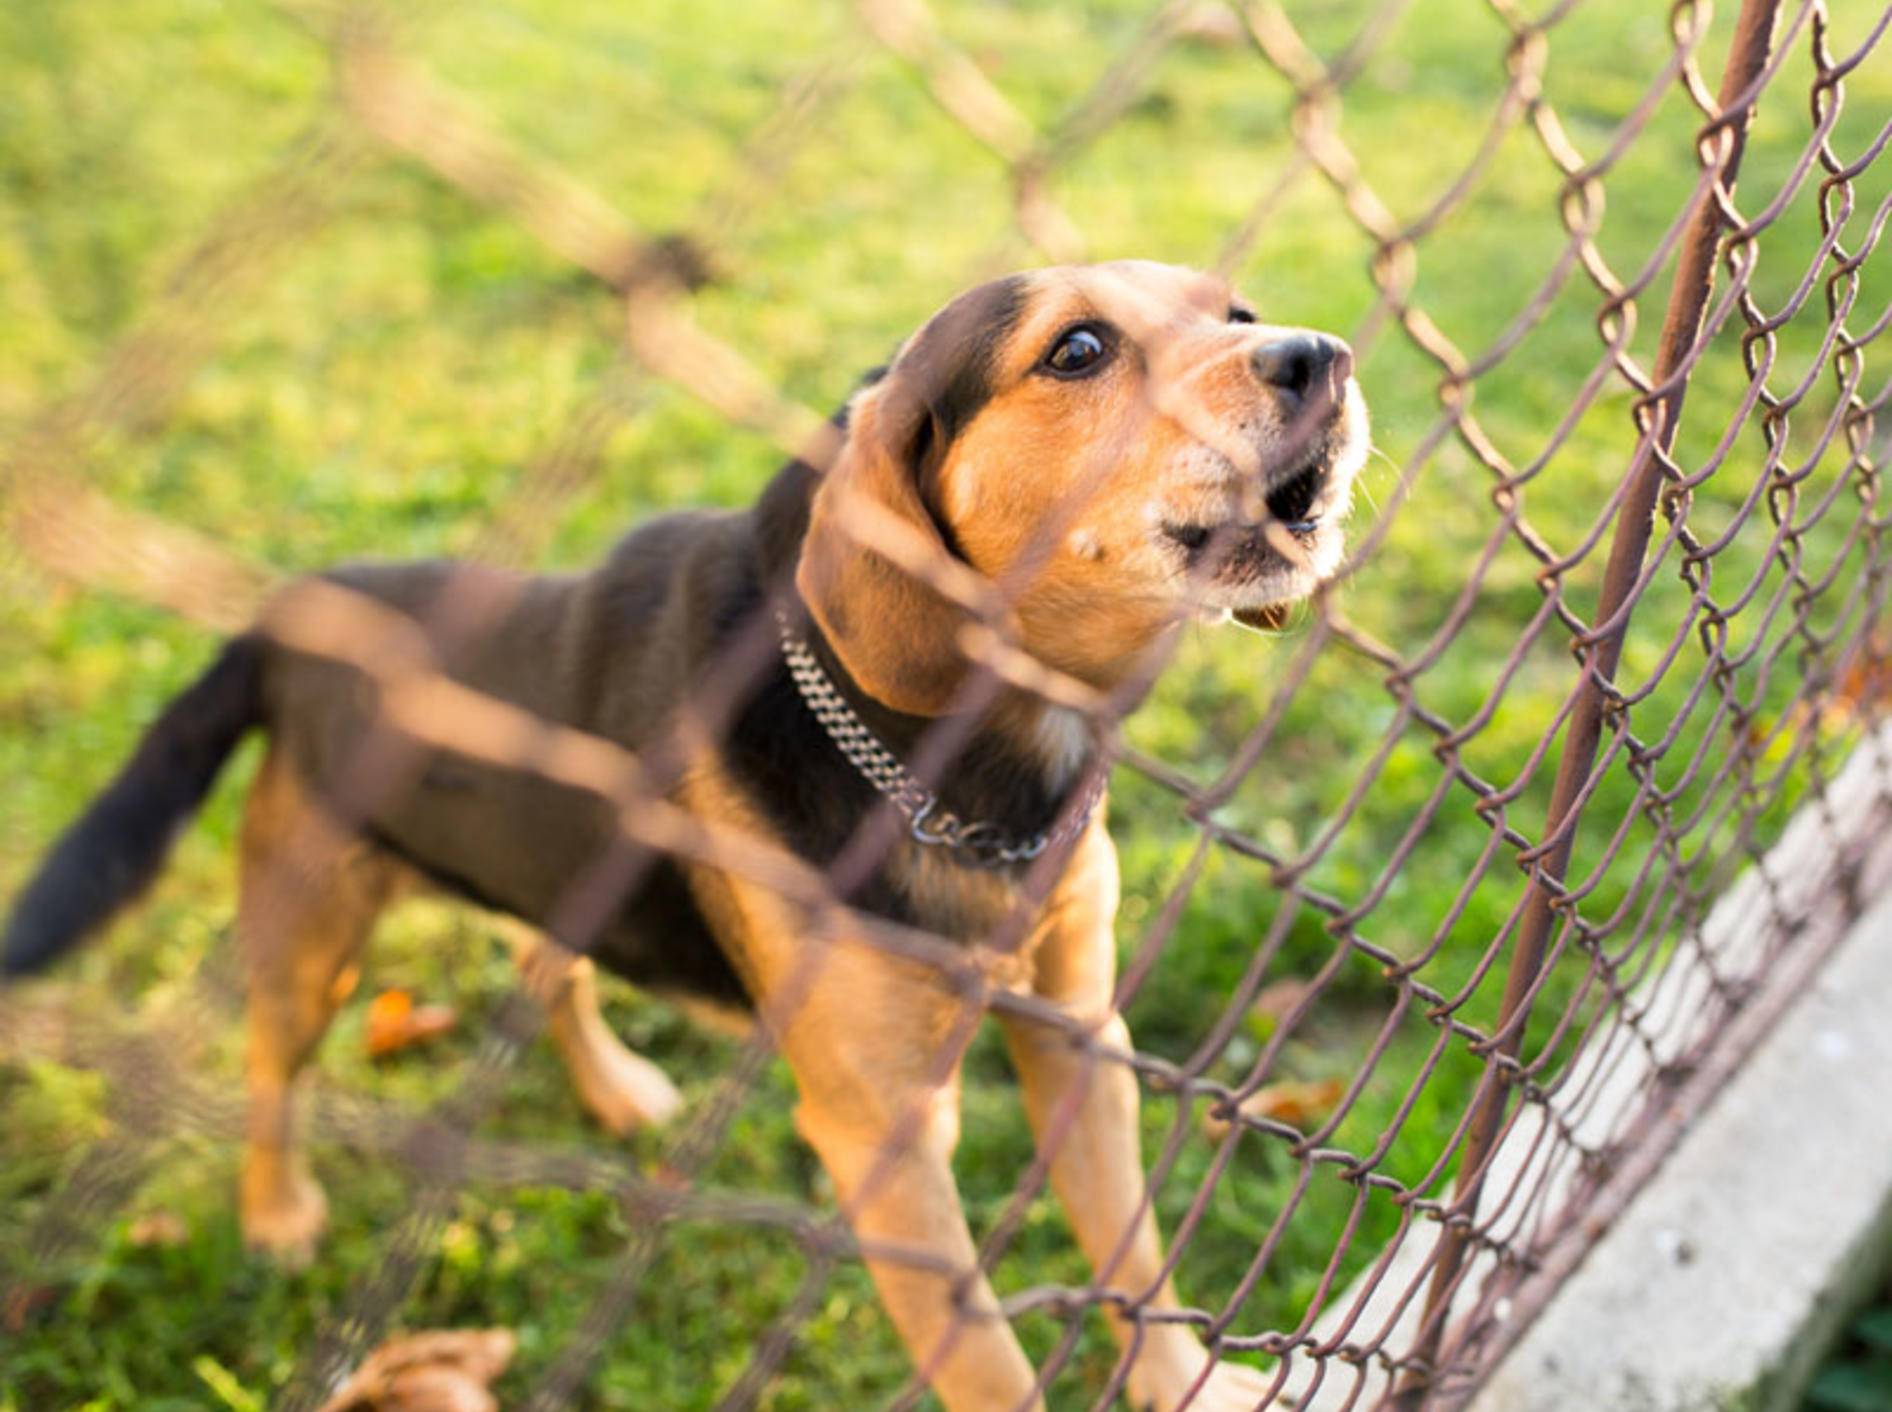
1090, 454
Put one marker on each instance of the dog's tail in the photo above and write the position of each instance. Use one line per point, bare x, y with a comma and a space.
113, 852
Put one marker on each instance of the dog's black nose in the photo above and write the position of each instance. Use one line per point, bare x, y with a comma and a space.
1304, 365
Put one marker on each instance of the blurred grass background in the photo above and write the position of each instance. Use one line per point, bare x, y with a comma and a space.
383, 385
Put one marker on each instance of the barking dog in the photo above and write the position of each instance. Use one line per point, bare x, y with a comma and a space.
1103, 452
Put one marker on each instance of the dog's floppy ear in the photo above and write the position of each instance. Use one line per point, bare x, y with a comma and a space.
875, 570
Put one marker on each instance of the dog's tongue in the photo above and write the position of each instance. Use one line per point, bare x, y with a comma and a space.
1272, 618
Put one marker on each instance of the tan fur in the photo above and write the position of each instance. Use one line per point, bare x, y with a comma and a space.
1096, 1168
895, 630
307, 900
623, 1090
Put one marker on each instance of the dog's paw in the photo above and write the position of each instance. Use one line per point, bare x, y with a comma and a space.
1170, 1384
283, 1212
625, 1091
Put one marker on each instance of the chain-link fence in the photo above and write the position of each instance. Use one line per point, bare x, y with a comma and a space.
1439, 908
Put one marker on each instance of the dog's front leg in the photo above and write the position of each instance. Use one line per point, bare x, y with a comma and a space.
1084, 1109
880, 1106
898, 1193
875, 1042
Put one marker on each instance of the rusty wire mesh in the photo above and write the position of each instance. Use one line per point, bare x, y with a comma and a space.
1706, 606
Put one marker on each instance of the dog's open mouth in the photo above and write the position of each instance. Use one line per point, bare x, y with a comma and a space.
1242, 548
1256, 569
1292, 502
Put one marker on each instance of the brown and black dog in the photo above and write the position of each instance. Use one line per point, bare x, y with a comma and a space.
1112, 450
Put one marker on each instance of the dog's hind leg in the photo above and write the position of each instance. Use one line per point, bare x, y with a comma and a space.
623, 1090
308, 898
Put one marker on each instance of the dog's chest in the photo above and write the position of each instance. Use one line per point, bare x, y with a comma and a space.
950, 899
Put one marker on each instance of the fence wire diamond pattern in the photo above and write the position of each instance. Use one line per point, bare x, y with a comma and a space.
1665, 636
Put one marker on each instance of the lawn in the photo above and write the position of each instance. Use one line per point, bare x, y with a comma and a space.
382, 384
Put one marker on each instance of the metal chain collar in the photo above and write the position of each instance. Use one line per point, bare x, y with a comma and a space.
985, 844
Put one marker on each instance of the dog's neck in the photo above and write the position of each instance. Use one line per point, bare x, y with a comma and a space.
1059, 740
1018, 739
1020, 756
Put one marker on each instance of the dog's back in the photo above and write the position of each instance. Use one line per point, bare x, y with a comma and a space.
606, 653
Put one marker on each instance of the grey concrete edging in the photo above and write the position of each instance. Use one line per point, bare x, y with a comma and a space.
1725, 1279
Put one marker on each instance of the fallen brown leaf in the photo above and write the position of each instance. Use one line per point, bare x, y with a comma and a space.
444, 1370
1281, 996
395, 1022
1273, 1004
669, 1177
1297, 1102
164, 1228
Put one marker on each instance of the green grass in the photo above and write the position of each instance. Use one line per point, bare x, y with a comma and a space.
1857, 1376
378, 390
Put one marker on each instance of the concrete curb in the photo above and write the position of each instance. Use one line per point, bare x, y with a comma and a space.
1727, 1277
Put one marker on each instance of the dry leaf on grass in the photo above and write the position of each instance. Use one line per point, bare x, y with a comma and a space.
395, 1022
442, 1371
1274, 1004
1860, 687
1298, 1103
671, 1178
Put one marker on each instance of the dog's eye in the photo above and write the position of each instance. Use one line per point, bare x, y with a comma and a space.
1239, 315
1078, 350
